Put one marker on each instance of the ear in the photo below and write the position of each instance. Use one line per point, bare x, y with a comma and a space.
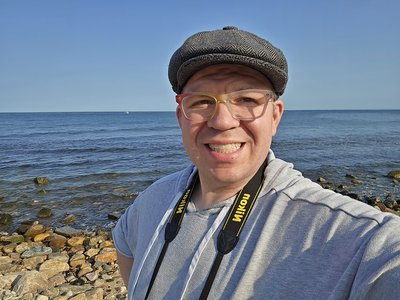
277, 115
178, 114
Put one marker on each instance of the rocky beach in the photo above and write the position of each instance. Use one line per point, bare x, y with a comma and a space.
42, 262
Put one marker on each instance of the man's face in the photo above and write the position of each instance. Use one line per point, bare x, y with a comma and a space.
227, 151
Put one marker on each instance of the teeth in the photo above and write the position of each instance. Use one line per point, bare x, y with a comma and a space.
227, 148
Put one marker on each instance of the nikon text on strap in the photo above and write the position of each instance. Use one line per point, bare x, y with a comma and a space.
230, 232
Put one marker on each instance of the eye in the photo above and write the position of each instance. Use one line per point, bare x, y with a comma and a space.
199, 102
247, 101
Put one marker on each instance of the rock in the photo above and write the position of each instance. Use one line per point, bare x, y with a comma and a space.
350, 176
56, 240
114, 216
6, 281
5, 263
32, 262
92, 252
22, 247
395, 174
356, 181
81, 296
59, 257
106, 244
68, 231
41, 237
391, 202
321, 179
85, 270
45, 212
95, 294
9, 248
41, 180
92, 276
69, 219
52, 267
14, 238
36, 251
75, 241
42, 192
5, 219
34, 230
343, 187
56, 280
30, 282
77, 260
107, 255
41, 297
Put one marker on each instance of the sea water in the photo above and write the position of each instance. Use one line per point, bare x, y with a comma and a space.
97, 163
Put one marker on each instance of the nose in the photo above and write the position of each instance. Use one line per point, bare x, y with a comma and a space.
222, 119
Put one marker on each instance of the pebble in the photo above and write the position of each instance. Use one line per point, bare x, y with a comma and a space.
36, 251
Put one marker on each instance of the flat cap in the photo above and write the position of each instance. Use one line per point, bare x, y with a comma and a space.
229, 45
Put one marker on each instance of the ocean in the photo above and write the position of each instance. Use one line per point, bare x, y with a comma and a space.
97, 163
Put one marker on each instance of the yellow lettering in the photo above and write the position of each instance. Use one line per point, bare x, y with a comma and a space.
237, 218
241, 209
179, 210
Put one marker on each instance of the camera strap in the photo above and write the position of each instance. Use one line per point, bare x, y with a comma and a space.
231, 229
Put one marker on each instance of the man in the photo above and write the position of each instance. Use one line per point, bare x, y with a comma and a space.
241, 223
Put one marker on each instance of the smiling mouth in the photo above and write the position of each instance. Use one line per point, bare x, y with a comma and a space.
225, 148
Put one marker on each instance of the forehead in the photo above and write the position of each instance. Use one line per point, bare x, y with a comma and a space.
229, 73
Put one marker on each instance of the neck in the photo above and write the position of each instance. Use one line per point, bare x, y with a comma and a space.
206, 195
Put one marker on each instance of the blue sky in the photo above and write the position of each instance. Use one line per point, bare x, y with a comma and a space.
113, 55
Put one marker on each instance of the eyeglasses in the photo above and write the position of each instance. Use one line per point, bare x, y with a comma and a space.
242, 105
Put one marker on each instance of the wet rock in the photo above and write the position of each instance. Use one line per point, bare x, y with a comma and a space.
69, 219
356, 181
68, 231
5, 219
42, 192
36, 251
45, 212
14, 238
34, 230
30, 282
114, 216
41, 180
390, 202
321, 180
350, 176
56, 240
41, 237
395, 174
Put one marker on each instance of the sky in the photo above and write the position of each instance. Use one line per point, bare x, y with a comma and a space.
97, 55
